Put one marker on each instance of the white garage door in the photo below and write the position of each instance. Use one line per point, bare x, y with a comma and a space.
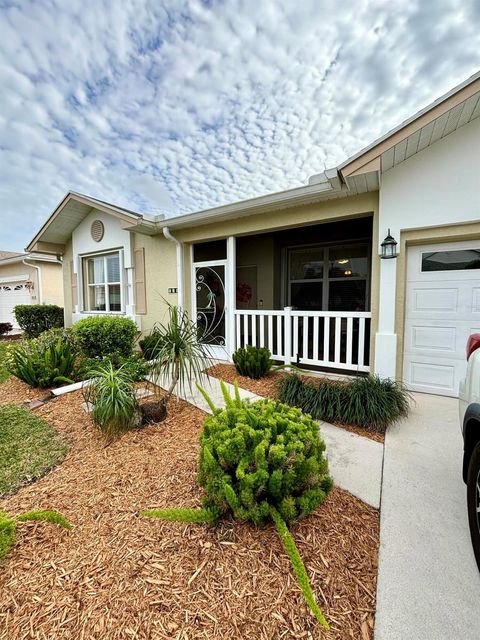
11, 294
442, 310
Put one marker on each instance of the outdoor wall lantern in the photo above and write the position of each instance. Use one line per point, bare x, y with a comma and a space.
389, 247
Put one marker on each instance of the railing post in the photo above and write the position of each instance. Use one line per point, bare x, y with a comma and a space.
287, 330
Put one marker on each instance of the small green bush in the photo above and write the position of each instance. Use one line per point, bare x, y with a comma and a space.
262, 461
100, 336
34, 319
254, 362
369, 402
5, 327
112, 394
151, 344
262, 455
135, 366
42, 362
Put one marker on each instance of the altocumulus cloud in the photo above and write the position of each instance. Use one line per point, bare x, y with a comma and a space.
173, 106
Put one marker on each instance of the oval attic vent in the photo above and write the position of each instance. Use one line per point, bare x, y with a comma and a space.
97, 230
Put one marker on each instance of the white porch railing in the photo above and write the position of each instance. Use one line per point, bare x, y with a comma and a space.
333, 339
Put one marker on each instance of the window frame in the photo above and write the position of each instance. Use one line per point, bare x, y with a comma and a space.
324, 281
86, 285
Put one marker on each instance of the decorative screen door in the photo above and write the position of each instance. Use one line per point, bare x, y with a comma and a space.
209, 308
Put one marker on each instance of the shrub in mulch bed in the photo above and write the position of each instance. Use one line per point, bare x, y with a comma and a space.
370, 402
262, 462
34, 319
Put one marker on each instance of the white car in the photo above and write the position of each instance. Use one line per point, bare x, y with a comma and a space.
469, 396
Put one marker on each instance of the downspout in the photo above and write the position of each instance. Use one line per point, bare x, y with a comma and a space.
39, 279
179, 247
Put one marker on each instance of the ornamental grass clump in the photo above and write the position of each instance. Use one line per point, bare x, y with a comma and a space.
8, 526
262, 462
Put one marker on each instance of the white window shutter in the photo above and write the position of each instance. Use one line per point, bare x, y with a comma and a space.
74, 285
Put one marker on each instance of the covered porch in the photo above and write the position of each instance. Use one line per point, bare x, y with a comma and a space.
303, 292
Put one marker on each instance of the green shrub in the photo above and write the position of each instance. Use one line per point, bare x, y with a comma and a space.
369, 402
8, 526
135, 366
112, 394
254, 362
34, 319
151, 344
100, 336
262, 455
42, 362
262, 461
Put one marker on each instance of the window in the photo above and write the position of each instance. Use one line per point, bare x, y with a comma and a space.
458, 260
103, 283
329, 278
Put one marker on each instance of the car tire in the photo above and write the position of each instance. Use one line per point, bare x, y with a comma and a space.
473, 501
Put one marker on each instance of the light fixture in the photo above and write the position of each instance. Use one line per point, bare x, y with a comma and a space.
348, 272
389, 247
343, 261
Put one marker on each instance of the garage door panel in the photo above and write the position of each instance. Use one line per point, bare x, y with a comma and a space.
432, 375
442, 310
12, 294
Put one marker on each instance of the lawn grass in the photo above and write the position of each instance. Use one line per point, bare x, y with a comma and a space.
3, 370
29, 447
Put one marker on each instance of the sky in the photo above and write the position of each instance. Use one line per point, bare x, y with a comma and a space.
173, 106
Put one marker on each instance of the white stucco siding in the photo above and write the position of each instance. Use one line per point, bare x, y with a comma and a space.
438, 186
114, 237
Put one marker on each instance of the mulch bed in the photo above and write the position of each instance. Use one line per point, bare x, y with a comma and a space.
117, 575
267, 387
15, 391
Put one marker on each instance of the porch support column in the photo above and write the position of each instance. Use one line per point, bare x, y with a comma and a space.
386, 338
230, 297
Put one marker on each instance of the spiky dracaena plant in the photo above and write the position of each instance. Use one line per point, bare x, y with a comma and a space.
8, 526
263, 461
179, 357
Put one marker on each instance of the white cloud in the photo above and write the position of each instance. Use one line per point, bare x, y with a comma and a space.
178, 105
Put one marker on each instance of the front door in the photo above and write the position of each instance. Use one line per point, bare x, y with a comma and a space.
209, 308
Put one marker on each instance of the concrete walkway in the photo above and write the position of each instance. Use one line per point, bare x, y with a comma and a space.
428, 583
355, 462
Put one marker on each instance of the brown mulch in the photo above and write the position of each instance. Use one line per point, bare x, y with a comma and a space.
267, 387
15, 391
117, 575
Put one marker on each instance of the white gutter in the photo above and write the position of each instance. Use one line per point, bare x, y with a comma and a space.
39, 279
179, 247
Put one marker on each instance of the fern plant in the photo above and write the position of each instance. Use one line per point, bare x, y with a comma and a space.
263, 462
8, 526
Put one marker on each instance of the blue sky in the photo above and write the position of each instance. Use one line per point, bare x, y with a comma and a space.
172, 106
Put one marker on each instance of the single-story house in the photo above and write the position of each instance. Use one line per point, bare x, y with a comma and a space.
28, 278
313, 272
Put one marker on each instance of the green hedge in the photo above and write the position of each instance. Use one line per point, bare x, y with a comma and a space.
369, 402
100, 336
34, 319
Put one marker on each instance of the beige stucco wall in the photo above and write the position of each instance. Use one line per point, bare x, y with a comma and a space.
447, 233
329, 210
52, 283
160, 275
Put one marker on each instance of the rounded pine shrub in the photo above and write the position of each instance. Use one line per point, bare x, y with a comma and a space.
99, 336
259, 456
254, 362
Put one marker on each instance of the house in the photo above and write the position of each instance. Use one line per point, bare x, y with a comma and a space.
301, 271
28, 278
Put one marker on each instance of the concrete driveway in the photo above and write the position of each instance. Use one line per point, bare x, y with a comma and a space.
428, 583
